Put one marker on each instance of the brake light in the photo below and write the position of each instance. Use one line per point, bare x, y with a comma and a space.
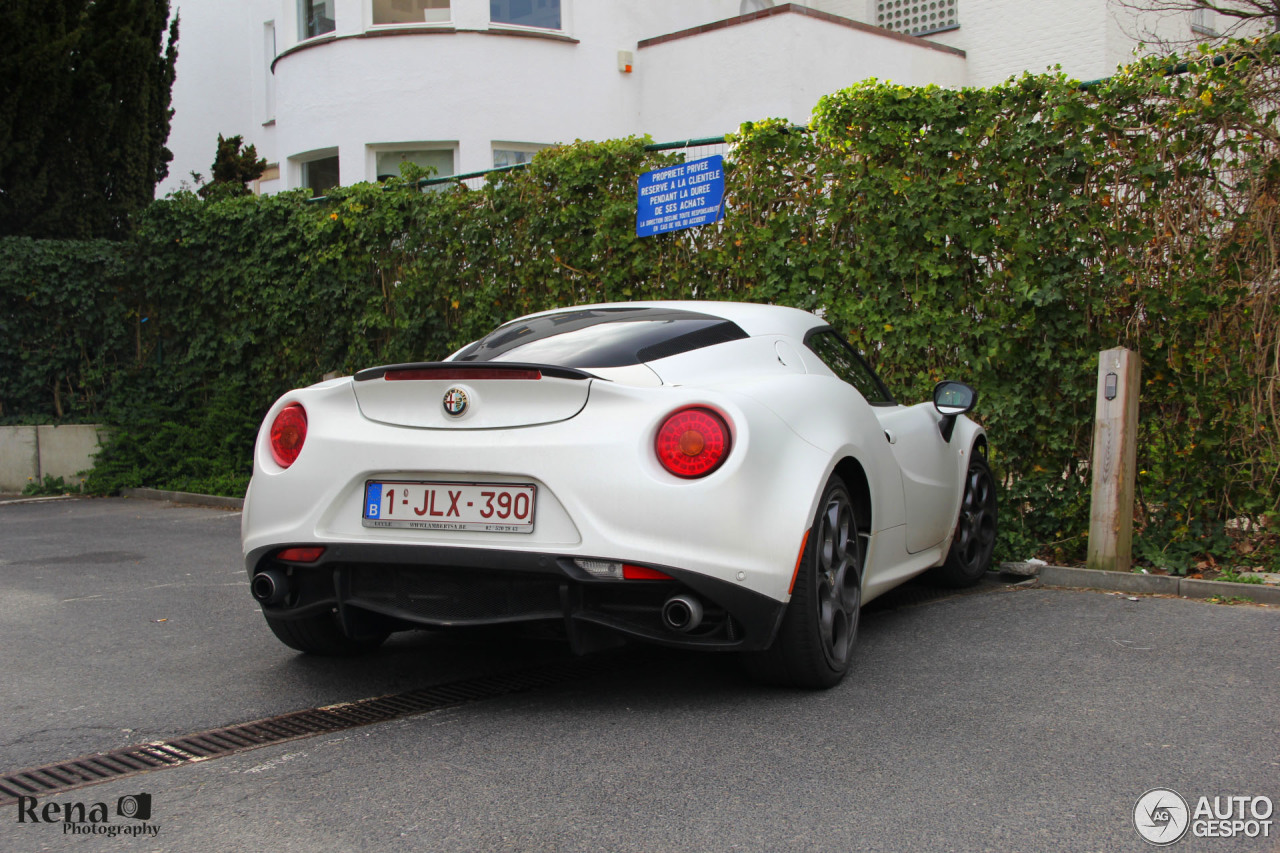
288, 432
458, 374
693, 442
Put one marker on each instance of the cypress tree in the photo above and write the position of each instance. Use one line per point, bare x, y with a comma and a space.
84, 113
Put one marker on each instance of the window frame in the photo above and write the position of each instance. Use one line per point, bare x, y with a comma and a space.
374, 149
527, 28
303, 35
857, 359
374, 25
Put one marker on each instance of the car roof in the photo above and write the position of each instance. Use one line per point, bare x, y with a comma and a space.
752, 317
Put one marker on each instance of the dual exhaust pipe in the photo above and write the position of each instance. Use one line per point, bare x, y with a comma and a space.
682, 613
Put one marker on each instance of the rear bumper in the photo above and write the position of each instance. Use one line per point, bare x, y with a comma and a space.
433, 586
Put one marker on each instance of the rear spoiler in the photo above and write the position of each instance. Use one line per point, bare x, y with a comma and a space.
453, 371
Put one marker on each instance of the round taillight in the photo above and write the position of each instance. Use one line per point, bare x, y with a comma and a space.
288, 432
692, 442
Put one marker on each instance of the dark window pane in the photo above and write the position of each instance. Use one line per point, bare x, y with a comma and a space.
602, 337
845, 362
320, 175
526, 13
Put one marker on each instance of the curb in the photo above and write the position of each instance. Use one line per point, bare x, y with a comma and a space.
184, 498
8, 501
1147, 584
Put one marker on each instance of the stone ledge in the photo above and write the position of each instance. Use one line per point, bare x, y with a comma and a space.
184, 498
1151, 584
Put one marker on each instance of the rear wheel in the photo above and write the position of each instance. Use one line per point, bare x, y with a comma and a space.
975, 539
321, 634
815, 642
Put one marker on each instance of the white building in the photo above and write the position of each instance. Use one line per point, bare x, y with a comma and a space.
343, 90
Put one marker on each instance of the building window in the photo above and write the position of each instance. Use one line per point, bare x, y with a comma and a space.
916, 17
388, 161
544, 14
269, 57
1203, 22
315, 18
410, 12
513, 154
320, 174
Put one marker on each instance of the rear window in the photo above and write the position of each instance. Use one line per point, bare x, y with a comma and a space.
602, 337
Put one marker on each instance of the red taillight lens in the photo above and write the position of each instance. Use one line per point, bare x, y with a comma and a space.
643, 573
693, 442
288, 432
301, 555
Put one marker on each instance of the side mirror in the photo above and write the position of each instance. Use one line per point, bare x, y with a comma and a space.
952, 399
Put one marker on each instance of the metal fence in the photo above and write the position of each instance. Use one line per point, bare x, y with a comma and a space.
692, 148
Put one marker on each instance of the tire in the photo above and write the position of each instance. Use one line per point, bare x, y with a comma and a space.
321, 634
815, 642
975, 539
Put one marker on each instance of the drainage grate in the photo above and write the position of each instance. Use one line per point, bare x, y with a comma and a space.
216, 743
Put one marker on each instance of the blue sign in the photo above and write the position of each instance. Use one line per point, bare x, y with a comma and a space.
680, 196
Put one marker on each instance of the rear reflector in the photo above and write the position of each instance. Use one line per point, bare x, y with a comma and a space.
457, 374
643, 573
300, 555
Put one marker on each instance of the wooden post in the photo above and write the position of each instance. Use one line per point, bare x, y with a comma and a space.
1115, 433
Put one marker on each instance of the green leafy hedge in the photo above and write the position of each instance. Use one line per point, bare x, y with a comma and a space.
1001, 236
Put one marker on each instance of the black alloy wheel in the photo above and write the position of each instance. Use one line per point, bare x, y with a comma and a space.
975, 538
815, 642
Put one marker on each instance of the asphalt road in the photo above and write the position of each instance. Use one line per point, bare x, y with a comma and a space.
1011, 720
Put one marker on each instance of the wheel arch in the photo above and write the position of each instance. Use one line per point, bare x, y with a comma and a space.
851, 472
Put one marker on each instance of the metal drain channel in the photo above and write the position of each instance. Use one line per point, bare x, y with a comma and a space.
216, 743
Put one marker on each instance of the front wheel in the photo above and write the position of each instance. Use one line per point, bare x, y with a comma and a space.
814, 645
975, 539
321, 634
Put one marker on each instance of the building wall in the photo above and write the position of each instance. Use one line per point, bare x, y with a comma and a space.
776, 67
467, 83
214, 88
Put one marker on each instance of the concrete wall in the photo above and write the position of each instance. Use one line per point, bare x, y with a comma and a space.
30, 453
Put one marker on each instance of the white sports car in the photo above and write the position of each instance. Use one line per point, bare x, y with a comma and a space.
708, 475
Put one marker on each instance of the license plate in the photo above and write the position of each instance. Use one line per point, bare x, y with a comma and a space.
492, 507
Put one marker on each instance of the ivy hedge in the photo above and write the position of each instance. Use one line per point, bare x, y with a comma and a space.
1001, 236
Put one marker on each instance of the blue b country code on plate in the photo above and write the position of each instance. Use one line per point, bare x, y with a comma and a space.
680, 196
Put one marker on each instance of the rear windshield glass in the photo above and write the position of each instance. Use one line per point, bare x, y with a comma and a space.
602, 337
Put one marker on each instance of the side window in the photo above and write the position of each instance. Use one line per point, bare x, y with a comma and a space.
845, 362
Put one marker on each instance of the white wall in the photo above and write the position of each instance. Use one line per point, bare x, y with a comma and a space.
463, 86
778, 66
218, 46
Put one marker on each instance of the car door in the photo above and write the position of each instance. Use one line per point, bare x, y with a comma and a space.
926, 462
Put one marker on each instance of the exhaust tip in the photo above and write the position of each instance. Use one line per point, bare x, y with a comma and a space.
682, 613
269, 587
